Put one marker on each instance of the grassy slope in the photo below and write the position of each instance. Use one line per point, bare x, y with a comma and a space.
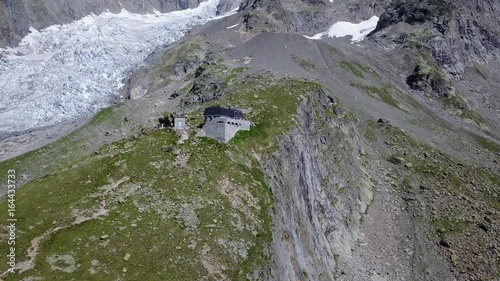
64, 151
173, 229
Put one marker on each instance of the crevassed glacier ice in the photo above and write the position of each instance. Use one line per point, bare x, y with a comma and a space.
66, 71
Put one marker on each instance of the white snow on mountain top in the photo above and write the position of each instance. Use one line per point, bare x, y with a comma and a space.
358, 31
66, 71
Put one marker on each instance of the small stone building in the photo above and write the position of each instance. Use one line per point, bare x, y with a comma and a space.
180, 123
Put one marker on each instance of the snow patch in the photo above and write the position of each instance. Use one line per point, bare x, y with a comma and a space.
357, 31
65, 71
232, 26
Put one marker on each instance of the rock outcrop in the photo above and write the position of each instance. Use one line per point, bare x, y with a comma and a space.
205, 88
430, 80
319, 198
454, 33
305, 16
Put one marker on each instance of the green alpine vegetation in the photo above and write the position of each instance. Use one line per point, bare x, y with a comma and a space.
147, 207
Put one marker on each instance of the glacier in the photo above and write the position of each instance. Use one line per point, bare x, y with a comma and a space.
66, 71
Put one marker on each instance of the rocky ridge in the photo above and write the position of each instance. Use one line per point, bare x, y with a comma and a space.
454, 33
305, 17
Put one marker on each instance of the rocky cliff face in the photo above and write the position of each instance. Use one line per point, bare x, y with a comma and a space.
321, 190
17, 16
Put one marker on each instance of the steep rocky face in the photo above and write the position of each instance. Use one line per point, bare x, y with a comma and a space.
17, 16
321, 191
306, 16
454, 33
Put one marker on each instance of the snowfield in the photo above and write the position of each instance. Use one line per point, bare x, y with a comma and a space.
71, 70
357, 31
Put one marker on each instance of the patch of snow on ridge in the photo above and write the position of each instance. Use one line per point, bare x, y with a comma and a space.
232, 26
66, 71
357, 31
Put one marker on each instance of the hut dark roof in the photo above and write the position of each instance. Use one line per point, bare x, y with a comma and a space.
221, 111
